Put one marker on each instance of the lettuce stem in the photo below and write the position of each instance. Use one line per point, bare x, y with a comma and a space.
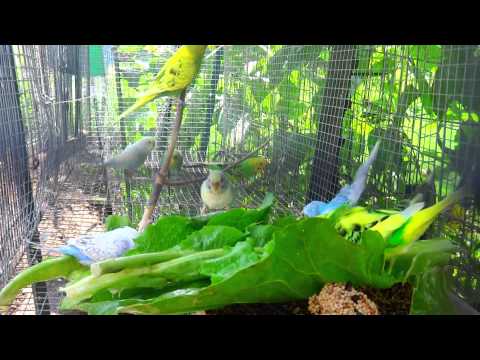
46, 270
157, 276
135, 261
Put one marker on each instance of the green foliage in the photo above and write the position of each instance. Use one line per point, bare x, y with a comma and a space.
167, 232
299, 259
430, 296
241, 218
211, 237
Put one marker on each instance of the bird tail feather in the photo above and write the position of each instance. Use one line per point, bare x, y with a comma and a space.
360, 180
412, 209
143, 100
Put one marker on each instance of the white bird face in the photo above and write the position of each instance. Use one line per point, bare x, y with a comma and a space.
216, 181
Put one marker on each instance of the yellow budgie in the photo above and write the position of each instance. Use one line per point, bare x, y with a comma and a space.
176, 75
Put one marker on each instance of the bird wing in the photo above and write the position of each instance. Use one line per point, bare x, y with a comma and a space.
314, 208
130, 158
174, 76
96, 247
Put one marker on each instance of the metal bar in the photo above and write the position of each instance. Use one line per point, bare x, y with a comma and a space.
34, 256
334, 102
78, 92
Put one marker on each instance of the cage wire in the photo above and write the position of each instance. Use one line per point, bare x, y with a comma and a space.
322, 108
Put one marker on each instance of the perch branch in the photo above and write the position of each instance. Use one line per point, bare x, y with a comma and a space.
250, 154
231, 165
185, 182
161, 176
204, 164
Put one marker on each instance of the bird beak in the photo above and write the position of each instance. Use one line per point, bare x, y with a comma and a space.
216, 186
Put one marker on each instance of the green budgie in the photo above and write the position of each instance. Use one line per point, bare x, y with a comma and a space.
176, 162
416, 226
352, 222
387, 227
420, 221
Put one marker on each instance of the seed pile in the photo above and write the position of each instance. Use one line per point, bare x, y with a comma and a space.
341, 299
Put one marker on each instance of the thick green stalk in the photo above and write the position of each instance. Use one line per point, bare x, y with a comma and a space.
135, 261
46, 270
158, 275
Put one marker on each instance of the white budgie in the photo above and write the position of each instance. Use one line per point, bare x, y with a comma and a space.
216, 191
133, 156
88, 249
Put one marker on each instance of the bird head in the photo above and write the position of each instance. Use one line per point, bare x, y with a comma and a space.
149, 142
177, 159
198, 50
216, 181
260, 163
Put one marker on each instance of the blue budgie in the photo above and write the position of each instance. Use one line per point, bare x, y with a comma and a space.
133, 156
349, 194
88, 249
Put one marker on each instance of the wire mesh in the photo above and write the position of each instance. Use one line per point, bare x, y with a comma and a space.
40, 130
322, 108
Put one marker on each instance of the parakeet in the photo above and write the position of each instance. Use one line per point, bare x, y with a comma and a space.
349, 194
416, 226
358, 219
216, 191
176, 162
88, 249
456, 217
133, 156
250, 167
394, 222
175, 76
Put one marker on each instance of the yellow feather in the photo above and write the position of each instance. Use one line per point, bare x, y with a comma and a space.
176, 75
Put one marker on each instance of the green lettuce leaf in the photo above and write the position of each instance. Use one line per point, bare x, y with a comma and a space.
241, 256
421, 256
241, 218
430, 294
300, 259
167, 232
260, 234
212, 237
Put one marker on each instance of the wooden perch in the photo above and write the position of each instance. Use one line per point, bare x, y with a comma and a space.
204, 164
250, 154
161, 175
229, 166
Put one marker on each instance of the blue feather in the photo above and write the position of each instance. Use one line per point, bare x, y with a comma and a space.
75, 252
348, 194
314, 208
